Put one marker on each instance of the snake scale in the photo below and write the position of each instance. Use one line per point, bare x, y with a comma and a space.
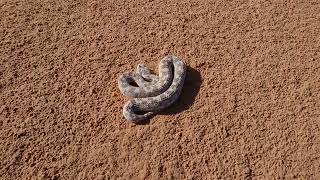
152, 93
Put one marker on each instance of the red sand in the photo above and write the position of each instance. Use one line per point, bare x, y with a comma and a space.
250, 108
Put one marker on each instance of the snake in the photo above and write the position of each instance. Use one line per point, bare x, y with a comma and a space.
150, 93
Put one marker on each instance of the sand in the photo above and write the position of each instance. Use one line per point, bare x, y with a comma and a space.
250, 108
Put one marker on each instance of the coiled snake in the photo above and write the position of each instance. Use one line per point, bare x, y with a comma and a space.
153, 93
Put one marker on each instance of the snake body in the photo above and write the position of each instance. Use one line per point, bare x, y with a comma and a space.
153, 93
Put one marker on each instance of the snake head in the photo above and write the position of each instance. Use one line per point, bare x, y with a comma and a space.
142, 69
141, 66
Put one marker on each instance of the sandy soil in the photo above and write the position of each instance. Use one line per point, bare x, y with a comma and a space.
250, 108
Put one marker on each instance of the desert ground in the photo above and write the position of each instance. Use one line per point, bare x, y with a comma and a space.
249, 109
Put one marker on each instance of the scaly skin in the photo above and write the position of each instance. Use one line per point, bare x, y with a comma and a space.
153, 94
